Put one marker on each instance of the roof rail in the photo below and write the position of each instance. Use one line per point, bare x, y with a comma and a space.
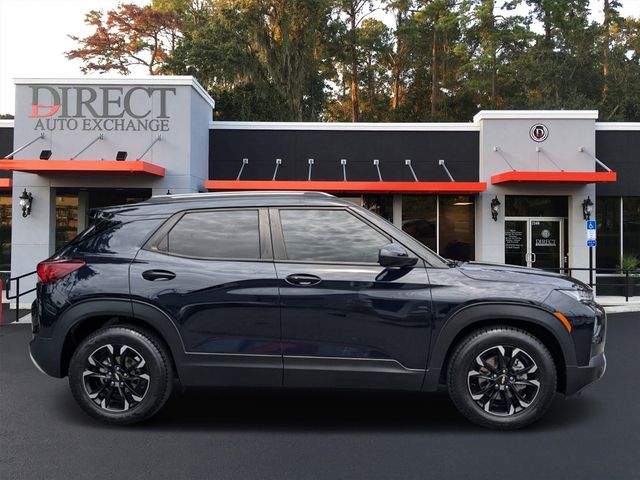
185, 196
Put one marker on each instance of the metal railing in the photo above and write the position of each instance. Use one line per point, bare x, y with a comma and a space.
630, 287
18, 293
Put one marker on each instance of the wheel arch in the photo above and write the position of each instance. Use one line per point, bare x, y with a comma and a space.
84, 318
534, 320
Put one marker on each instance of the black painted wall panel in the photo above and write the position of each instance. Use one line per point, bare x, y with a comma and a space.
620, 151
295, 147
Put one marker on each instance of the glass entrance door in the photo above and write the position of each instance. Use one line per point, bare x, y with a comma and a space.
545, 244
535, 242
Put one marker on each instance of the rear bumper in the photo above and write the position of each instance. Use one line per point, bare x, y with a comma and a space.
580, 377
45, 355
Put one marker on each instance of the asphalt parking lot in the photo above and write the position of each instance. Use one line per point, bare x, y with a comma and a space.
280, 435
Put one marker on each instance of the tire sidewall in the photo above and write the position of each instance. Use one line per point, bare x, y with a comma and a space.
157, 365
465, 356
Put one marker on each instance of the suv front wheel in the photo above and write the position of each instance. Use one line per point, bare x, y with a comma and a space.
502, 377
121, 375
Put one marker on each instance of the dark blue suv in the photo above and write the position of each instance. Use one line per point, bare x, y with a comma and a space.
301, 290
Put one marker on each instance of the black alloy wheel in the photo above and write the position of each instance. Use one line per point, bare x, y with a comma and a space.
116, 377
121, 374
501, 377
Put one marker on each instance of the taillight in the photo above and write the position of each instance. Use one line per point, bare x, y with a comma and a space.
52, 270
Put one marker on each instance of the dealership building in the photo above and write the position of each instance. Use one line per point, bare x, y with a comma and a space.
507, 186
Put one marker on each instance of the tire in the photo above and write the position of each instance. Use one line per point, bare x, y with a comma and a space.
121, 375
487, 395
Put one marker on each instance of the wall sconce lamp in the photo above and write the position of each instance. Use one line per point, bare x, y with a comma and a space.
45, 154
587, 208
495, 208
26, 199
121, 156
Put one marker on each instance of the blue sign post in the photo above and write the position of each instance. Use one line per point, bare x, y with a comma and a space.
591, 242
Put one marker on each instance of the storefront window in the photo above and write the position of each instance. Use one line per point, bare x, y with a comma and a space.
631, 226
380, 204
5, 231
66, 219
608, 217
420, 218
457, 235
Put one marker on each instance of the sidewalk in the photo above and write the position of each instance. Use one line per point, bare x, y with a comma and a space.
614, 304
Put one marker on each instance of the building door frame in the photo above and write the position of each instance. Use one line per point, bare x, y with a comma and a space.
530, 255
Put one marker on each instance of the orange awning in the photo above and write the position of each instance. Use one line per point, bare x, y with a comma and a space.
79, 167
553, 177
5, 183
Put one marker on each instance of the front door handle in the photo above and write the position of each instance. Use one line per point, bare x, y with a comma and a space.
303, 279
153, 275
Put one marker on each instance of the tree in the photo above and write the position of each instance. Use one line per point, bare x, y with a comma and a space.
131, 35
399, 54
353, 11
285, 35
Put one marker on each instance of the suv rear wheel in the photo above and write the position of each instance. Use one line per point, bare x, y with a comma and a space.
501, 377
121, 375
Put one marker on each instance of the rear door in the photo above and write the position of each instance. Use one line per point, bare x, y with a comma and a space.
347, 321
212, 272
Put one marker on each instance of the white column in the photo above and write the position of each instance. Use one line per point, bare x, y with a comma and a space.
33, 237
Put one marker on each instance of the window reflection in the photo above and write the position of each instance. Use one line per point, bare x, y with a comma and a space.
631, 223
5, 231
608, 218
224, 234
66, 219
457, 227
379, 204
329, 236
419, 218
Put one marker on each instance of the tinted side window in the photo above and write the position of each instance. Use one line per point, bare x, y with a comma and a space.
329, 236
221, 234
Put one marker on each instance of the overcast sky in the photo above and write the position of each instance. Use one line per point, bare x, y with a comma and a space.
33, 38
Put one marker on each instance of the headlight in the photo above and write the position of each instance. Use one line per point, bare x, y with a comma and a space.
584, 296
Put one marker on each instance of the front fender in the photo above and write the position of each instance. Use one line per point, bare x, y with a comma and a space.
493, 312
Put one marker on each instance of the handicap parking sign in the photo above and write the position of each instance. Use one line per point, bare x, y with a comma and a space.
591, 233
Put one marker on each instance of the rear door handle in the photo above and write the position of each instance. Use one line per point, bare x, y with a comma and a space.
303, 279
158, 275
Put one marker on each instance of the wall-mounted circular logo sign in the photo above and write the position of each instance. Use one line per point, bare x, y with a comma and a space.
539, 132
545, 233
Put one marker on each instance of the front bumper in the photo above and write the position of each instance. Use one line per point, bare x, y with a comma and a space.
580, 377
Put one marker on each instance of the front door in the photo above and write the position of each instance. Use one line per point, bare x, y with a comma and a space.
347, 321
535, 242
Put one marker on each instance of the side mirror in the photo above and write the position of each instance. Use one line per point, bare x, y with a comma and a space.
394, 255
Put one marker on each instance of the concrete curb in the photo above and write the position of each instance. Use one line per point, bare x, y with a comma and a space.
622, 308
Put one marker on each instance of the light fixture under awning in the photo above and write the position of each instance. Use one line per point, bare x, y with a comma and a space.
79, 167
348, 186
5, 183
553, 177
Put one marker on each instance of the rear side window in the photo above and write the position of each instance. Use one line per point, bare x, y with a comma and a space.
230, 234
329, 236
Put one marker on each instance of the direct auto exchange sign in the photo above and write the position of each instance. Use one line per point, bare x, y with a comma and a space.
100, 109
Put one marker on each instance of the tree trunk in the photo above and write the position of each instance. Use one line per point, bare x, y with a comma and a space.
434, 72
355, 104
607, 41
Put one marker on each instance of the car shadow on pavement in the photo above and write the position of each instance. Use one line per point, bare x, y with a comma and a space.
224, 410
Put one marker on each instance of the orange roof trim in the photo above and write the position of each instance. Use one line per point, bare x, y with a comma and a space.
347, 186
